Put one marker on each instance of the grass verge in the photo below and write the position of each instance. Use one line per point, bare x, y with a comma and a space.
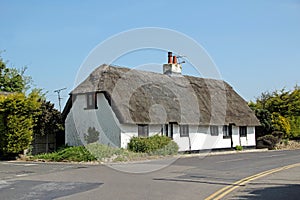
97, 152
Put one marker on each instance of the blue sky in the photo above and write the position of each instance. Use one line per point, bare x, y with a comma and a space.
255, 44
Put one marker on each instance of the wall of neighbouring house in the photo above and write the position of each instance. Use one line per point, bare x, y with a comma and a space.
103, 119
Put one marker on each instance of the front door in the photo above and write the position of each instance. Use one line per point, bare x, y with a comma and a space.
169, 129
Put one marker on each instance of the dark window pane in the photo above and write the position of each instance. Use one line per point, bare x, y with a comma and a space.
214, 130
91, 101
143, 130
243, 131
225, 132
184, 130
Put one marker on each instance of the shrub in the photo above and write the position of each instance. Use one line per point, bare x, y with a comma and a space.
158, 145
267, 141
169, 149
18, 114
238, 148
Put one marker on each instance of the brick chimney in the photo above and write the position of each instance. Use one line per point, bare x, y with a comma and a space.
172, 67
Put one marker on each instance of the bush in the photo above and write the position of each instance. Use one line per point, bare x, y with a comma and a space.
267, 141
17, 118
238, 148
158, 145
169, 149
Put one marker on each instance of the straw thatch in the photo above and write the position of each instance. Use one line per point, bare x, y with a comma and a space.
141, 97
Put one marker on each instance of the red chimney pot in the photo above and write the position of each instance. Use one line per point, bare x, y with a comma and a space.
174, 60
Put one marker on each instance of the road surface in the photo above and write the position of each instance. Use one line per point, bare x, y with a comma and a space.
198, 177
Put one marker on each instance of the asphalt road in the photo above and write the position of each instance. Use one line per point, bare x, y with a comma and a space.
185, 178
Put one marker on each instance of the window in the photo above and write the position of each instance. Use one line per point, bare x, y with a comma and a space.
225, 132
243, 131
91, 101
184, 130
143, 130
214, 130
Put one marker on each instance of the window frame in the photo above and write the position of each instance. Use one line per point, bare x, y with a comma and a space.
91, 100
243, 131
143, 130
226, 134
214, 128
184, 130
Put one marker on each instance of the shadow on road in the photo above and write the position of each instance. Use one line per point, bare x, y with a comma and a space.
290, 192
43, 190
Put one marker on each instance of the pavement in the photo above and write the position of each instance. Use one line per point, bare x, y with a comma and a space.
189, 177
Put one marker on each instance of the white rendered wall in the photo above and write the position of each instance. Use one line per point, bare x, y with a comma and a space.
102, 119
130, 130
112, 133
200, 138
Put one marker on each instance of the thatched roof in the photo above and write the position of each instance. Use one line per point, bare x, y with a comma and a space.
141, 97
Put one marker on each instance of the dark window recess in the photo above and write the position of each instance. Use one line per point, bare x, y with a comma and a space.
171, 130
214, 130
143, 130
91, 101
243, 131
226, 132
184, 130
166, 130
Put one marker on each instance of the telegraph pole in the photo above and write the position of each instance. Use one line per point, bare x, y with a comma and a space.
58, 96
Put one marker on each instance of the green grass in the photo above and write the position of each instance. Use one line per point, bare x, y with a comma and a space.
75, 154
101, 153
91, 152
238, 148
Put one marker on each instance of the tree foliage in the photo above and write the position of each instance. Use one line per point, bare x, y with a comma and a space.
23, 116
49, 120
279, 111
18, 115
13, 80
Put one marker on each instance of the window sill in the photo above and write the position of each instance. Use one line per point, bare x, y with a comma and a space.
91, 108
227, 137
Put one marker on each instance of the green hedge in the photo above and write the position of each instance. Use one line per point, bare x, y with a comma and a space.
154, 145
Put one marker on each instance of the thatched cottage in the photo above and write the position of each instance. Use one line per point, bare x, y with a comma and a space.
114, 104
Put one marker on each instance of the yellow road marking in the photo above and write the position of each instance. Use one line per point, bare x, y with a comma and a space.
226, 190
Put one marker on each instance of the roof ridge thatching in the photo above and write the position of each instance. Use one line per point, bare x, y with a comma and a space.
143, 97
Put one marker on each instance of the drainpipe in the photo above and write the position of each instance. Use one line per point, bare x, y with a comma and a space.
190, 146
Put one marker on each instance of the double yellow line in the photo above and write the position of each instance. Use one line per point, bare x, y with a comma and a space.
226, 190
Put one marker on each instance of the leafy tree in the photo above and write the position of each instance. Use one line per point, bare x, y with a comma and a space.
280, 123
49, 120
295, 126
13, 80
18, 115
279, 111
